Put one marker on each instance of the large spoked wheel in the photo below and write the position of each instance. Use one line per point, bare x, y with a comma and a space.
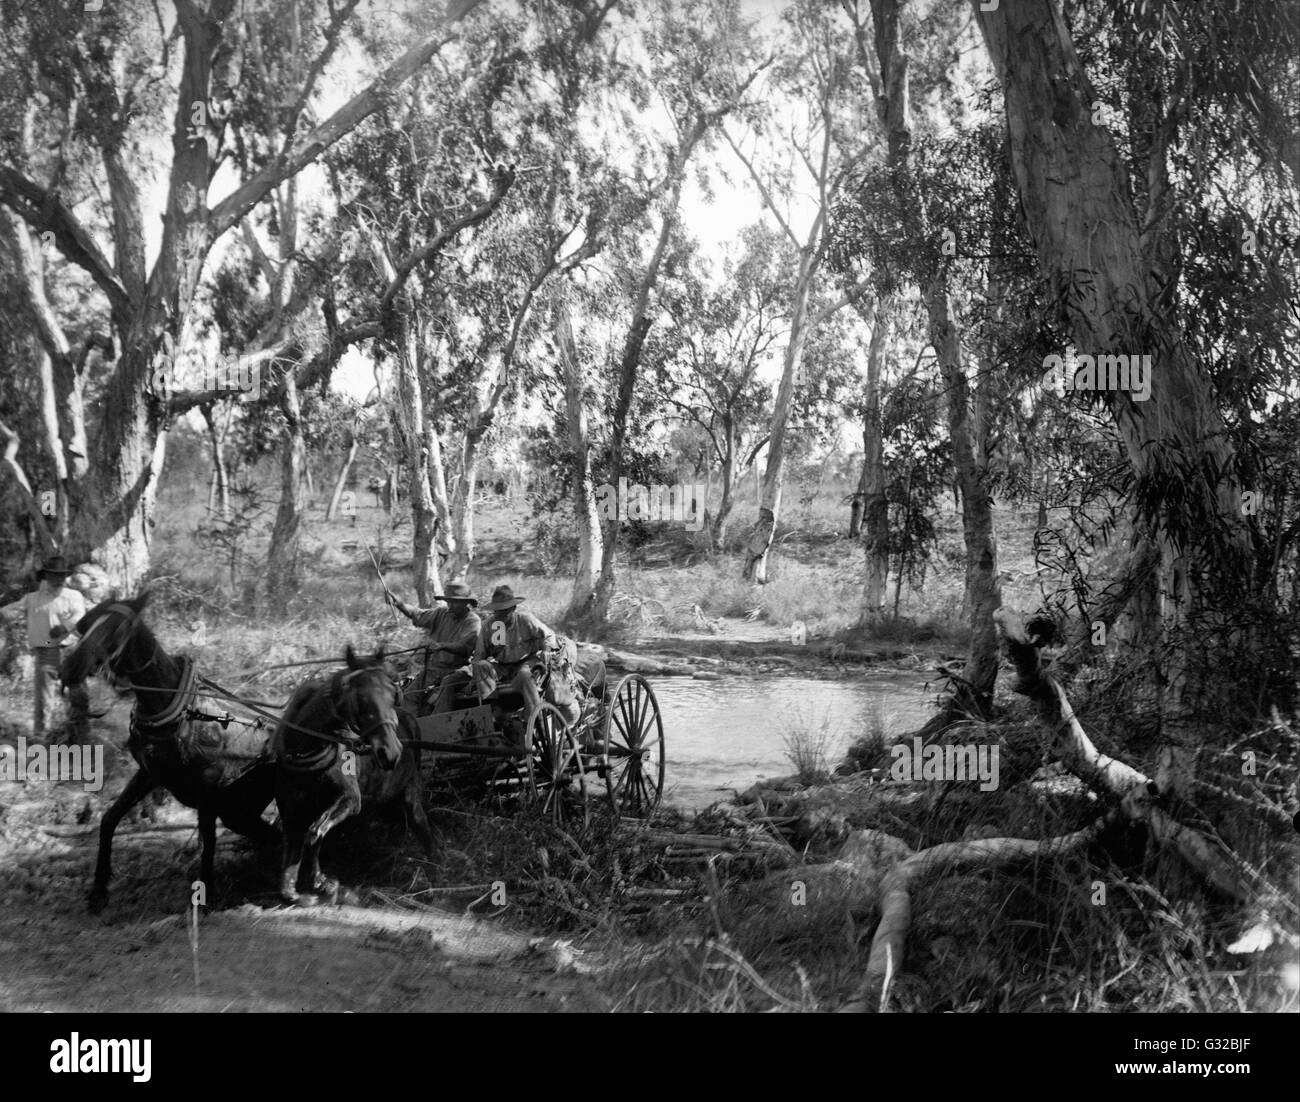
634, 745
557, 768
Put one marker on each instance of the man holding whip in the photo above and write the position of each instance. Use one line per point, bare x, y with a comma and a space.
452, 631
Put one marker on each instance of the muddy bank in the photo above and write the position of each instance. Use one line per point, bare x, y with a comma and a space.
704, 658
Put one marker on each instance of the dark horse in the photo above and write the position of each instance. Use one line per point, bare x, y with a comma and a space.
322, 775
225, 774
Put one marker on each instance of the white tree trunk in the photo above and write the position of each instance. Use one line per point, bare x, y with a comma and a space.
408, 412
340, 483
769, 501
983, 588
281, 576
584, 490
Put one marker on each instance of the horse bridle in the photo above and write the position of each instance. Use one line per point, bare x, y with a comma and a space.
130, 616
339, 704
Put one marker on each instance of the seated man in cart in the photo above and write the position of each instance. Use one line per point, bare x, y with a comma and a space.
515, 652
452, 633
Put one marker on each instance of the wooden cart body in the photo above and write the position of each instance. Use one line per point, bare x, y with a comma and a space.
613, 754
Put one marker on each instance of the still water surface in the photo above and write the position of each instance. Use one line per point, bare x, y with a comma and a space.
722, 736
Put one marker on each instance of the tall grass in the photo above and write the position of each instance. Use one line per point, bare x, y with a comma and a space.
811, 745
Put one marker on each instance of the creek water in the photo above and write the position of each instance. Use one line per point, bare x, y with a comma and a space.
722, 736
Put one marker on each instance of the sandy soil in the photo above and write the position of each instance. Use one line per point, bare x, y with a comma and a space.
55, 956
252, 954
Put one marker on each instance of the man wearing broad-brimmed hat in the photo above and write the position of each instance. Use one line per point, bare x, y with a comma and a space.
52, 612
452, 632
514, 648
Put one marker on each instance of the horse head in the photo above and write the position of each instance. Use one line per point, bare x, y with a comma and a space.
366, 696
107, 633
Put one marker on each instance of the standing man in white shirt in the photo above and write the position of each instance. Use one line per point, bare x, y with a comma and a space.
52, 613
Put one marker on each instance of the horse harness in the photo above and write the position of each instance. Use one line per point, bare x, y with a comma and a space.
180, 714
317, 759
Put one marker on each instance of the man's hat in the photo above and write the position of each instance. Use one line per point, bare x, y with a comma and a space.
457, 591
55, 564
503, 597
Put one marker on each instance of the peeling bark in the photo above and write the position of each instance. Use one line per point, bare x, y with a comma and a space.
1075, 192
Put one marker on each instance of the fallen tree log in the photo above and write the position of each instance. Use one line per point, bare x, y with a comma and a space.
1135, 792
888, 942
807, 897
634, 663
1132, 793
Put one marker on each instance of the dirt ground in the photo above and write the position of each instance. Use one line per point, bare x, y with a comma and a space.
140, 955
252, 954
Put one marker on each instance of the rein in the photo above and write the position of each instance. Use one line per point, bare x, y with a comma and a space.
219, 693
317, 760
182, 709
249, 675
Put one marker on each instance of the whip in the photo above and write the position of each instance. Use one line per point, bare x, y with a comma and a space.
387, 592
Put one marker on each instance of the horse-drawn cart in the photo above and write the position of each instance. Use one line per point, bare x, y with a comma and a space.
612, 754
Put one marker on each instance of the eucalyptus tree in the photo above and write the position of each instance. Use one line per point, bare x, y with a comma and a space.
800, 150
869, 511
553, 123
455, 207
702, 65
915, 205
91, 97
1153, 149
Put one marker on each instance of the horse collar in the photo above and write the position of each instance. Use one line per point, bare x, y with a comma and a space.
313, 759
182, 698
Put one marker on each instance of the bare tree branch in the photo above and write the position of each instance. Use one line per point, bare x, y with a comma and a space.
768, 200
364, 104
504, 179
43, 211
851, 296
